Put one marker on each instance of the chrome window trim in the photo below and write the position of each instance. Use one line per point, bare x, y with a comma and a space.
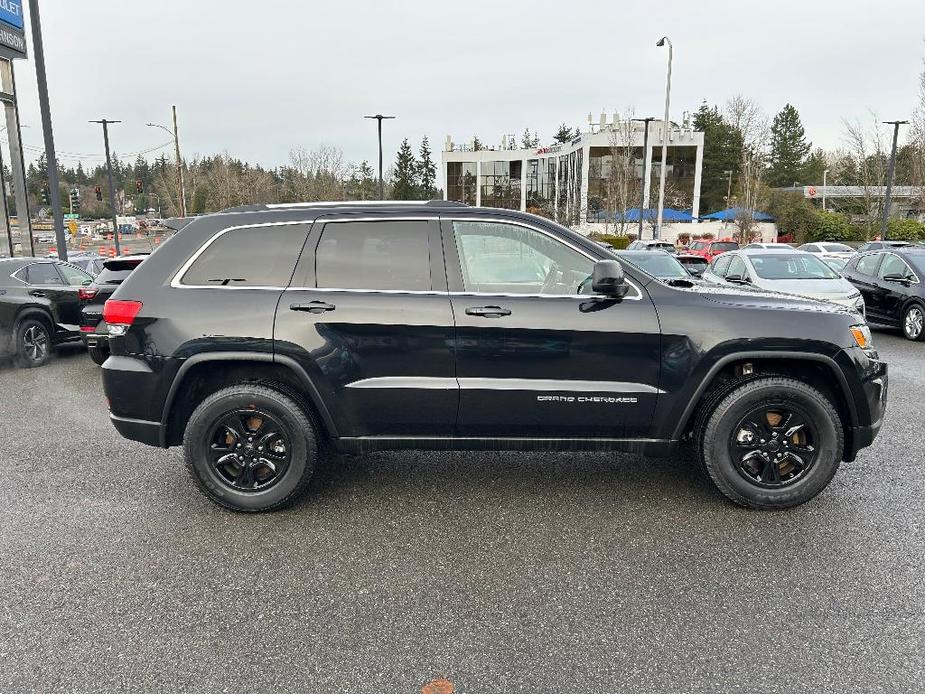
903, 261
43, 262
526, 225
523, 384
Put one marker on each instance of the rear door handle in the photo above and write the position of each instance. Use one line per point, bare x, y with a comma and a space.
36, 292
312, 307
488, 311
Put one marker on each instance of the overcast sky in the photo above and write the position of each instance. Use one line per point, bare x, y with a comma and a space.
259, 77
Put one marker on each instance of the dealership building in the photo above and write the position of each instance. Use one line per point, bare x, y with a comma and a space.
578, 182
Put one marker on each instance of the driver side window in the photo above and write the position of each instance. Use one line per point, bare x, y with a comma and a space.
499, 258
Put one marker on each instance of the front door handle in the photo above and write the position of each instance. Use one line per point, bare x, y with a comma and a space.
488, 311
312, 307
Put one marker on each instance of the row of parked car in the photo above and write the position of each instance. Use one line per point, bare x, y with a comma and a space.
45, 302
881, 279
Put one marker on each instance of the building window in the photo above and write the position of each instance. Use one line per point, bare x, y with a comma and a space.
460, 181
614, 182
501, 181
541, 187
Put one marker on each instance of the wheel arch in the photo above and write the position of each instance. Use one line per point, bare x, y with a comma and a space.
203, 374
728, 372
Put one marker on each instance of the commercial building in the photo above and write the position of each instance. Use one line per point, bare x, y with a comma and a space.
588, 181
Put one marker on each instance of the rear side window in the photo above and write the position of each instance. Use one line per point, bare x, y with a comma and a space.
720, 246
867, 265
737, 268
43, 274
375, 256
720, 265
249, 257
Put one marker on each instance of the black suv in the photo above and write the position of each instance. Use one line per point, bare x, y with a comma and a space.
40, 303
265, 336
93, 329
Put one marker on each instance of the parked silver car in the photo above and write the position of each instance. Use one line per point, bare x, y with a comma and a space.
787, 271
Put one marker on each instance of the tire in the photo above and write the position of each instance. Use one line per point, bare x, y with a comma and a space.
33, 343
913, 322
98, 355
228, 484
795, 484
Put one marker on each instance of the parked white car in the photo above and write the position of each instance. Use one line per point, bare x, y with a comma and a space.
779, 246
787, 271
828, 249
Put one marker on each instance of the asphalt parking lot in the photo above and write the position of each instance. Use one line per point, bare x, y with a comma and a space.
500, 572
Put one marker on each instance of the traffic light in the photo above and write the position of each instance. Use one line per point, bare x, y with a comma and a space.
45, 195
139, 186
99, 193
75, 199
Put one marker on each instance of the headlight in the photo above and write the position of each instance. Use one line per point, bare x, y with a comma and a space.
862, 336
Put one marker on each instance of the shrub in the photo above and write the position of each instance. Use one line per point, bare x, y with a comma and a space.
831, 226
684, 238
707, 236
906, 230
618, 242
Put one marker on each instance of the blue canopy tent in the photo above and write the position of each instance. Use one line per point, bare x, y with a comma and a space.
730, 214
649, 215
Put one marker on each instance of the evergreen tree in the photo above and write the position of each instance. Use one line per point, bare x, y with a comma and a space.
563, 135
815, 165
476, 143
789, 149
722, 152
526, 141
427, 172
405, 181
368, 183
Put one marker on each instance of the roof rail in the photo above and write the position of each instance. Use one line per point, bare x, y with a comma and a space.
366, 203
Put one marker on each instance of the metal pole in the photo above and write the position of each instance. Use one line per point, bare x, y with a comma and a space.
661, 186
379, 117
645, 170
181, 183
4, 207
112, 189
18, 167
889, 178
38, 51
728, 172
824, 174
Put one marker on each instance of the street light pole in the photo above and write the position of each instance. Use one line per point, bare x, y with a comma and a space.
661, 186
379, 117
112, 190
51, 160
825, 172
181, 183
645, 170
728, 172
889, 178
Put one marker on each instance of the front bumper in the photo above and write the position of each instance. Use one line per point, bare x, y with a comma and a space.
874, 388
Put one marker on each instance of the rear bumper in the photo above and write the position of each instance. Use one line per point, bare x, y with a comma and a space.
140, 430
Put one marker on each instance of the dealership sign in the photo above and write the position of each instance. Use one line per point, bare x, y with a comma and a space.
12, 35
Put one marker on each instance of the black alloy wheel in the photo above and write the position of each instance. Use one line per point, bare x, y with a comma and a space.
773, 445
249, 450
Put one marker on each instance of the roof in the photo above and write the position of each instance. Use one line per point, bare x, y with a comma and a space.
772, 251
389, 204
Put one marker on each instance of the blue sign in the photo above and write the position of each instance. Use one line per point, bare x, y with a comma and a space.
11, 13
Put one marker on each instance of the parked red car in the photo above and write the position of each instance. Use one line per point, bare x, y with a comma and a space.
710, 249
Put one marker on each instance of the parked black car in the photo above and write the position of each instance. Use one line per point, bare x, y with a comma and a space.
891, 283
880, 245
93, 328
40, 302
261, 337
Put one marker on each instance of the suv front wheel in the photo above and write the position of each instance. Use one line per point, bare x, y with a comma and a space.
773, 443
250, 448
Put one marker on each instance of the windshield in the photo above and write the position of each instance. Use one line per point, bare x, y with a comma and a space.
792, 266
836, 248
660, 265
663, 247
720, 246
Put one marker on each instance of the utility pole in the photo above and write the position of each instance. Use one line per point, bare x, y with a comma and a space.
645, 171
379, 117
889, 178
112, 191
728, 172
825, 172
38, 51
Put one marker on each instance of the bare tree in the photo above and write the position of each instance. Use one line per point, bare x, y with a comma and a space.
917, 139
867, 151
746, 116
623, 182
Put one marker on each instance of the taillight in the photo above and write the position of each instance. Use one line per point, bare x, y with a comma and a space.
87, 293
121, 313
87, 329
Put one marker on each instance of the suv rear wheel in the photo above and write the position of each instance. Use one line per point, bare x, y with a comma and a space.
772, 443
250, 448
33, 343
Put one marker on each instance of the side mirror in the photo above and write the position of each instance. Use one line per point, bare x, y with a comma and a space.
694, 271
737, 279
607, 279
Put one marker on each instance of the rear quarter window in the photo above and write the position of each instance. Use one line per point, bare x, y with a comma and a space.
248, 257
